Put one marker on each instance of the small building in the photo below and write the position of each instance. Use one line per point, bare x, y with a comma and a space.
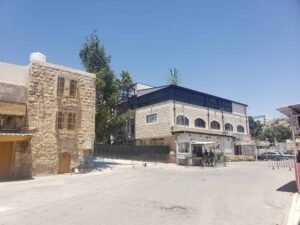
293, 113
47, 118
167, 114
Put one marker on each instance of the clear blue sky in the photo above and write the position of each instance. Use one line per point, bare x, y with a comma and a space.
244, 50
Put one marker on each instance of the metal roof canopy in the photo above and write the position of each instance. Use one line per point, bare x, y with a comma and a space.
290, 110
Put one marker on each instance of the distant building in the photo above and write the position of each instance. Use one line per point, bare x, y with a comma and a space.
166, 114
293, 113
47, 118
263, 119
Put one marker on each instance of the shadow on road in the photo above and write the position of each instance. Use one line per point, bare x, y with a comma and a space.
289, 187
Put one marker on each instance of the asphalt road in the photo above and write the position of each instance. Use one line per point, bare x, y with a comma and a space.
239, 194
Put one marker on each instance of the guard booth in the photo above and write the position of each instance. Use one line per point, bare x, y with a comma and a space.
190, 152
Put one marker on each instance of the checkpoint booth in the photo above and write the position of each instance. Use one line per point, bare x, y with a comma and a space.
190, 152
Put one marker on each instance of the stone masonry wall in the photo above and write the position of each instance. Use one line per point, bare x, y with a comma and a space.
160, 128
22, 160
192, 112
48, 142
165, 119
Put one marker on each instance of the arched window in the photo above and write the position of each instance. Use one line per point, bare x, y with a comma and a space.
228, 127
182, 120
200, 123
240, 129
215, 125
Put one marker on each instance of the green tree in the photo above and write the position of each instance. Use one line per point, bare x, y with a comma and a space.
256, 128
108, 88
282, 133
125, 83
95, 60
269, 135
174, 77
126, 80
92, 54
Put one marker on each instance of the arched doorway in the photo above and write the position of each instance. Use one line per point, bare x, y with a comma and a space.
64, 162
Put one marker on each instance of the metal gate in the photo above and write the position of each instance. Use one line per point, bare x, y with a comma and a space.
281, 163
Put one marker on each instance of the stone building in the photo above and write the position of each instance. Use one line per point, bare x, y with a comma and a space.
293, 113
47, 118
170, 113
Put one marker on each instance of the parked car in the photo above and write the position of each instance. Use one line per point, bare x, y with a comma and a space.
287, 155
269, 156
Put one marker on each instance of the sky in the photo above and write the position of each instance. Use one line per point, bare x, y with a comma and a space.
246, 51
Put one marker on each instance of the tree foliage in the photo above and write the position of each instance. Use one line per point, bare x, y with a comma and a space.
256, 128
92, 54
174, 77
108, 87
275, 134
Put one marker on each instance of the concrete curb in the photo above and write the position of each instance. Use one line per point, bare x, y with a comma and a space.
294, 215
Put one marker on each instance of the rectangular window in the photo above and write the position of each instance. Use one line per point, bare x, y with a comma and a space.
60, 120
66, 120
60, 86
71, 121
73, 88
157, 141
183, 147
212, 102
151, 118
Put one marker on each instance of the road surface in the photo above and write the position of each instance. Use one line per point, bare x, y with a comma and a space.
247, 193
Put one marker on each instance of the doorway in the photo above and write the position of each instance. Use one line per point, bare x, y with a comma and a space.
64, 163
6, 156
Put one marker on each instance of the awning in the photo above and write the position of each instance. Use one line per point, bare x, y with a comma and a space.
8, 137
290, 110
15, 109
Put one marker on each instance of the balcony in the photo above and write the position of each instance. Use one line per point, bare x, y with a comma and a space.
8, 134
20, 130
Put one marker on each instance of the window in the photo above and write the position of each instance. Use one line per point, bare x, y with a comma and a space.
182, 120
228, 127
225, 105
215, 125
240, 129
151, 118
71, 121
200, 123
212, 102
60, 86
183, 147
66, 120
60, 120
73, 88
157, 141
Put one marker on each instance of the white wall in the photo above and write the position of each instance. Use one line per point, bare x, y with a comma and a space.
14, 74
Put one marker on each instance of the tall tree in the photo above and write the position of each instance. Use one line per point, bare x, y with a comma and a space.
92, 54
95, 60
108, 88
256, 128
125, 83
174, 77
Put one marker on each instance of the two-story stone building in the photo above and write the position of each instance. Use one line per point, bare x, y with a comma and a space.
170, 113
47, 118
